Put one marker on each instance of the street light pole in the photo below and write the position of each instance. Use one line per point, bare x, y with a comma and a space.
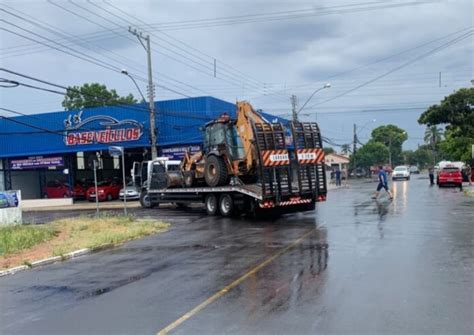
312, 95
151, 89
125, 72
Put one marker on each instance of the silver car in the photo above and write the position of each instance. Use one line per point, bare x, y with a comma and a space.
131, 192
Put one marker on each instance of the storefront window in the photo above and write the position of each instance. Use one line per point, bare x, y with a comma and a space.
116, 163
81, 165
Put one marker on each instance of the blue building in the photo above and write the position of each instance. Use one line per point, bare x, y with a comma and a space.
41, 148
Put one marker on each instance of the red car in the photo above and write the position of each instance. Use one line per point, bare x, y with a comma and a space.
107, 190
56, 189
450, 175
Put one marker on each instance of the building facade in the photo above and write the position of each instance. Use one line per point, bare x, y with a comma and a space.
57, 147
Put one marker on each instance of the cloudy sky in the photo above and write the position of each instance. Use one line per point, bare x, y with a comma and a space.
383, 59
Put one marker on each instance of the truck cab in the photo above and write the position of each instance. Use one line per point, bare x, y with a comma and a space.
143, 172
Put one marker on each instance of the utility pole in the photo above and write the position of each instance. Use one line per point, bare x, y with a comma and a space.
354, 146
294, 106
151, 88
390, 151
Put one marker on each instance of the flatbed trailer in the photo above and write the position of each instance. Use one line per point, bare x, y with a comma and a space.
290, 178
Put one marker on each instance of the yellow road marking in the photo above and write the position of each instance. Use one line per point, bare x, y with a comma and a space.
232, 285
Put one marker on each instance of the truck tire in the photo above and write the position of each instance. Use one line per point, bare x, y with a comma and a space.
211, 204
145, 201
226, 205
215, 171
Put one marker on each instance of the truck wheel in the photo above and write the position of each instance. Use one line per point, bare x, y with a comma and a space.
215, 171
145, 201
189, 177
226, 205
211, 204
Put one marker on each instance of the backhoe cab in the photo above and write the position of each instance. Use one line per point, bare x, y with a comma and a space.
227, 150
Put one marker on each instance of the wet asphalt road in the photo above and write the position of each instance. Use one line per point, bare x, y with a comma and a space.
401, 267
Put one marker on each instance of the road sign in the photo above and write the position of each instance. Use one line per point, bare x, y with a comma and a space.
115, 151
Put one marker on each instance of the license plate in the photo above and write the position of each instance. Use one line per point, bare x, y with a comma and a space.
450, 180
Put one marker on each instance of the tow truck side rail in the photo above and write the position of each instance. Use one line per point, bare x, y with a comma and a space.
221, 189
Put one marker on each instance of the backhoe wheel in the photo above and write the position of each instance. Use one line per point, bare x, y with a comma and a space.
215, 171
189, 177
211, 204
226, 205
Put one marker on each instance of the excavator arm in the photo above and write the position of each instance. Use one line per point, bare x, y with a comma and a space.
246, 117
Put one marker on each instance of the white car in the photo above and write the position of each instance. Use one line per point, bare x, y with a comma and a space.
401, 172
131, 191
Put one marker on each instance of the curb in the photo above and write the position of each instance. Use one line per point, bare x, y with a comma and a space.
54, 259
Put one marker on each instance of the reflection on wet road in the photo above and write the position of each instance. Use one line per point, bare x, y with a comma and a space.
356, 266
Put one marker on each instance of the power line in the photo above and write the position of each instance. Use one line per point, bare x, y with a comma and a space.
278, 16
233, 71
424, 55
17, 83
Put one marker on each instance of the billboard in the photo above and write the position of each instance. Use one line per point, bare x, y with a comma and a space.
9, 199
100, 129
36, 162
177, 152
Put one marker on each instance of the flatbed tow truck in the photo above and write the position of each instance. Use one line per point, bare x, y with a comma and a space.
289, 175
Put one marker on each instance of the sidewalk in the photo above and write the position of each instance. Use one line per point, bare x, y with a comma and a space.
86, 206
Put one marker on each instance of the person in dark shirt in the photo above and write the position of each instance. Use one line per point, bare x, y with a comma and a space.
338, 177
431, 174
383, 183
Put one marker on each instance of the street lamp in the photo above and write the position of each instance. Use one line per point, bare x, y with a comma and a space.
125, 72
366, 124
294, 102
327, 85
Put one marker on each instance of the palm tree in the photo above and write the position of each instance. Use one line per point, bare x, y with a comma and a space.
345, 148
433, 135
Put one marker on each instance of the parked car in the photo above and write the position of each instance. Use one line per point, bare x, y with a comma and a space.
401, 172
449, 176
107, 190
57, 189
131, 191
414, 170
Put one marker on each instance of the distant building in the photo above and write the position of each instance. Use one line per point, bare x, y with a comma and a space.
335, 161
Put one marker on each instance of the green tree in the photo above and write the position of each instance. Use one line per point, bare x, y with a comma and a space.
392, 137
328, 150
421, 157
433, 135
456, 112
345, 149
370, 154
94, 95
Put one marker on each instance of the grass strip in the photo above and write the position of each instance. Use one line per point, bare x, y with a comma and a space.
27, 243
17, 238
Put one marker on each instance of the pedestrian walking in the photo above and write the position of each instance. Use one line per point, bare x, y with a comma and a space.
338, 177
383, 183
431, 174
